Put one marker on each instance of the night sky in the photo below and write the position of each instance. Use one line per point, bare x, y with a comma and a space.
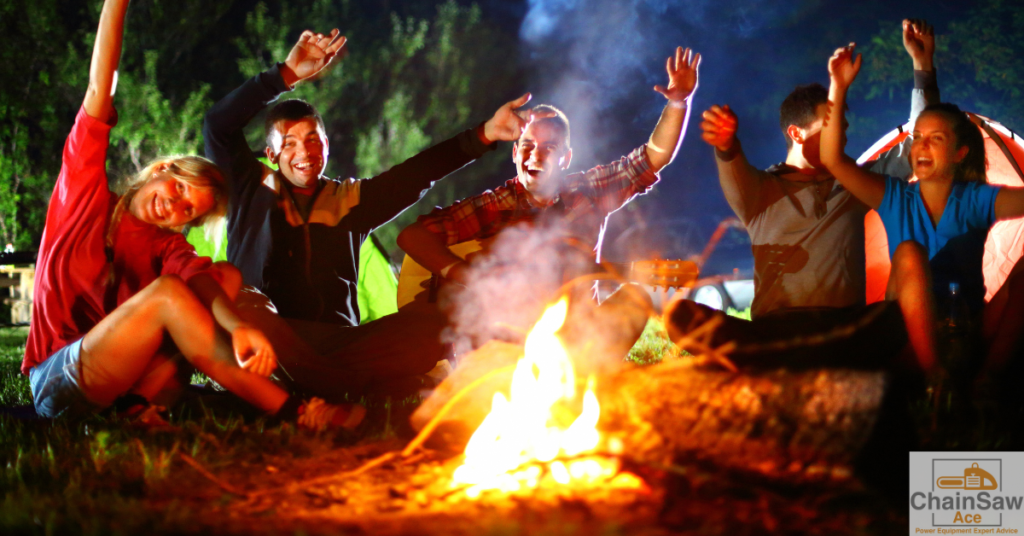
598, 59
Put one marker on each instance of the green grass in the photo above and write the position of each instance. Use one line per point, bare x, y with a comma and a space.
14, 386
99, 475
655, 346
102, 476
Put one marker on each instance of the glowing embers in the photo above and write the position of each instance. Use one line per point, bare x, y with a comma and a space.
523, 441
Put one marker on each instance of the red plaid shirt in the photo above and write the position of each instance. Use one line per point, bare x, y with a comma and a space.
585, 203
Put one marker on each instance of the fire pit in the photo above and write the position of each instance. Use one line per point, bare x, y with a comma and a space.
632, 448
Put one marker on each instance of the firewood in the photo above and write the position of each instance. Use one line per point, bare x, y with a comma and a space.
781, 424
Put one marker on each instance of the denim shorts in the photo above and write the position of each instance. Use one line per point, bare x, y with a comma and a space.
56, 384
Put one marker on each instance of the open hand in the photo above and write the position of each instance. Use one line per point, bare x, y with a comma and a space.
253, 351
719, 126
682, 75
844, 65
919, 40
508, 123
311, 54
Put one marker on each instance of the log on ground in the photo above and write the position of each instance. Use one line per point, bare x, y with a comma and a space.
807, 425
800, 426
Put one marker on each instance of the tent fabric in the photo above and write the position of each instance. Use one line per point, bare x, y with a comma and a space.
1005, 242
208, 248
377, 286
376, 289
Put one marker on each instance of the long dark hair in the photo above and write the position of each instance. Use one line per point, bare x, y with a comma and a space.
973, 167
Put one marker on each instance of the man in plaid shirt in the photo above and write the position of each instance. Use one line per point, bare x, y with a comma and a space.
543, 188
543, 191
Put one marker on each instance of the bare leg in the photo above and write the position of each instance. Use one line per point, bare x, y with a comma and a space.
119, 351
1003, 321
231, 278
168, 372
165, 379
910, 283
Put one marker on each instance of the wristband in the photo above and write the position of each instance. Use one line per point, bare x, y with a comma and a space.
444, 271
679, 105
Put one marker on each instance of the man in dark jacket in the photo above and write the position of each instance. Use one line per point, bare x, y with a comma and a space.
295, 234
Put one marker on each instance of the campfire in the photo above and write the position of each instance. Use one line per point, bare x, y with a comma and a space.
700, 434
544, 433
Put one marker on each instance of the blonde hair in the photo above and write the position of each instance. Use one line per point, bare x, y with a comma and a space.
197, 172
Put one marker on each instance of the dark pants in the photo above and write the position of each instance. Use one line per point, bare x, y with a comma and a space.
868, 337
330, 360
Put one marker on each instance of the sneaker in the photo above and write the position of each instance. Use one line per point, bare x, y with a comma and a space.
318, 415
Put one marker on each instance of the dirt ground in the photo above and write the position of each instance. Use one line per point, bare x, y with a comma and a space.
321, 495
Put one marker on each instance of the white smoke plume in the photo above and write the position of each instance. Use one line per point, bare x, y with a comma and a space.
509, 286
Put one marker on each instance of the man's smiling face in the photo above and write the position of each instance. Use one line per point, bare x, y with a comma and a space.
542, 158
299, 150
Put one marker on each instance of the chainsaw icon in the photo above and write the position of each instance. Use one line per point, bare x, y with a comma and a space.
975, 478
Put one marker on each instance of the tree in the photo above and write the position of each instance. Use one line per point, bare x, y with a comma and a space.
42, 81
407, 82
977, 59
417, 74
37, 77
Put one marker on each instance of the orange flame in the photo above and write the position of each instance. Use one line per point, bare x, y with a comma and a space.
520, 430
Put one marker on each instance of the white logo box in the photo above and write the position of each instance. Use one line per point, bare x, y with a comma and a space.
966, 493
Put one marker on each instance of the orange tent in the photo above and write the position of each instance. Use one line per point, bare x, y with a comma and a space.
1004, 150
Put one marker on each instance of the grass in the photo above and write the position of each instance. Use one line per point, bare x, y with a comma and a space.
655, 346
14, 386
102, 476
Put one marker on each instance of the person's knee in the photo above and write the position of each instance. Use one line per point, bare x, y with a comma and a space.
169, 288
683, 316
910, 256
230, 277
635, 294
630, 304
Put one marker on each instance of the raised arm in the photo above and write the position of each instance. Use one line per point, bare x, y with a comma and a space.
385, 196
869, 187
224, 123
106, 53
682, 82
740, 181
919, 42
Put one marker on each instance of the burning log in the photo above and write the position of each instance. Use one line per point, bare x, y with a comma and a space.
780, 424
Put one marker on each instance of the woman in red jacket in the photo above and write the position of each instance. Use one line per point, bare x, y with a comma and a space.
115, 274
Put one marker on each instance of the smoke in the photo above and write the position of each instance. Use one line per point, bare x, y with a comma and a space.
510, 284
594, 57
520, 275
